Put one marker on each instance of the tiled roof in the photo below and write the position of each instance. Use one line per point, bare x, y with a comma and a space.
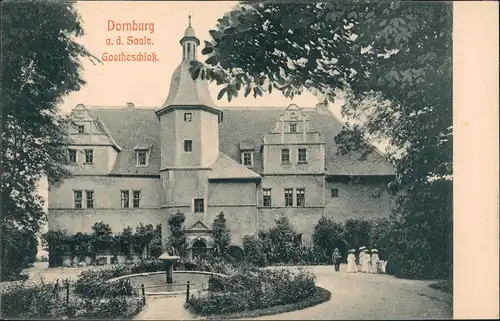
133, 126
227, 168
186, 91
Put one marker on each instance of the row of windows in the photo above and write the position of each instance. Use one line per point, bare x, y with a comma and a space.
142, 155
89, 156
247, 157
300, 197
89, 201
301, 155
199, 203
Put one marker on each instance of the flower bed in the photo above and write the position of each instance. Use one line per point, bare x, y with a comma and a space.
28, 300
250, 289
89, 297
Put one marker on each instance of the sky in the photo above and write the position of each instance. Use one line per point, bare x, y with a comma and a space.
146, 84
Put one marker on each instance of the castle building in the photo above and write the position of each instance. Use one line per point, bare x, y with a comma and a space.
136, 165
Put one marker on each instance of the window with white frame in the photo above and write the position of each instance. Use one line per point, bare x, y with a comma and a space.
89, 156
142, 157
302, 155
293, 128
89, 199
199, 205
72, 156
247, 158
288, 197
125, 199
300, 197
335, 192
285, 155
80, 129
136, 198
77, 197
188, 117
266, 197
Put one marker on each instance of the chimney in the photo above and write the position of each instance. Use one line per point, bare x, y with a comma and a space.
322, 107
130, 105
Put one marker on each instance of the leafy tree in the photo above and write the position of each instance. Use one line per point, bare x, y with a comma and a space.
40, 64
57, 243
221, 236
327, 235
390, 60
357, 232
18, 250
101, 237
125, 240
142, 238
177, 240
282, 238
155, 246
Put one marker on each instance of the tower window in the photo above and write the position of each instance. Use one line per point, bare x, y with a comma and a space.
301, 197
285, 156
266, 197
288, 196
89, 156
302, 155
293, 128
188, 117
199, 205
188, 145
80, 128
335, 192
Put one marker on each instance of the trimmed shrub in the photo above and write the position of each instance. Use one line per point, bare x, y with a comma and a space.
253, 248
251, 288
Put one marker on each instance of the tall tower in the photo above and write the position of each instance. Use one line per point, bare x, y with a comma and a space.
189, 124
189, 118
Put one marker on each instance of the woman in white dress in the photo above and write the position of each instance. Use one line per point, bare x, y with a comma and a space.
351, 262
374, 261
360, 257
365, 265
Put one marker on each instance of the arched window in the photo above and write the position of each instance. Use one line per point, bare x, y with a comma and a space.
189, 50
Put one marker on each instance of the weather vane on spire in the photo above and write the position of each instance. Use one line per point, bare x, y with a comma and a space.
189, 20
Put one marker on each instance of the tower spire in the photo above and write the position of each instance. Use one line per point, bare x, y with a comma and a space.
189, 17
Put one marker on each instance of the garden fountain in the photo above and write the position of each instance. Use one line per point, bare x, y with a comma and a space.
169, 260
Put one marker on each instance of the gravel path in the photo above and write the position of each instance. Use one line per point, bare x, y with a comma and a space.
354, 296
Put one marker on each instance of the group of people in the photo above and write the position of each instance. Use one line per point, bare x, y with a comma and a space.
367, 262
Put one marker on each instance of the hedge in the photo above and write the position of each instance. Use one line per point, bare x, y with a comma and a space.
250, 289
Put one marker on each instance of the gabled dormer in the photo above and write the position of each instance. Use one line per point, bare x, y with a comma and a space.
92, 149
247, 152
142, 154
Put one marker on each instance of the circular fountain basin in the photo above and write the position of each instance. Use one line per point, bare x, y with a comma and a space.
155, 282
